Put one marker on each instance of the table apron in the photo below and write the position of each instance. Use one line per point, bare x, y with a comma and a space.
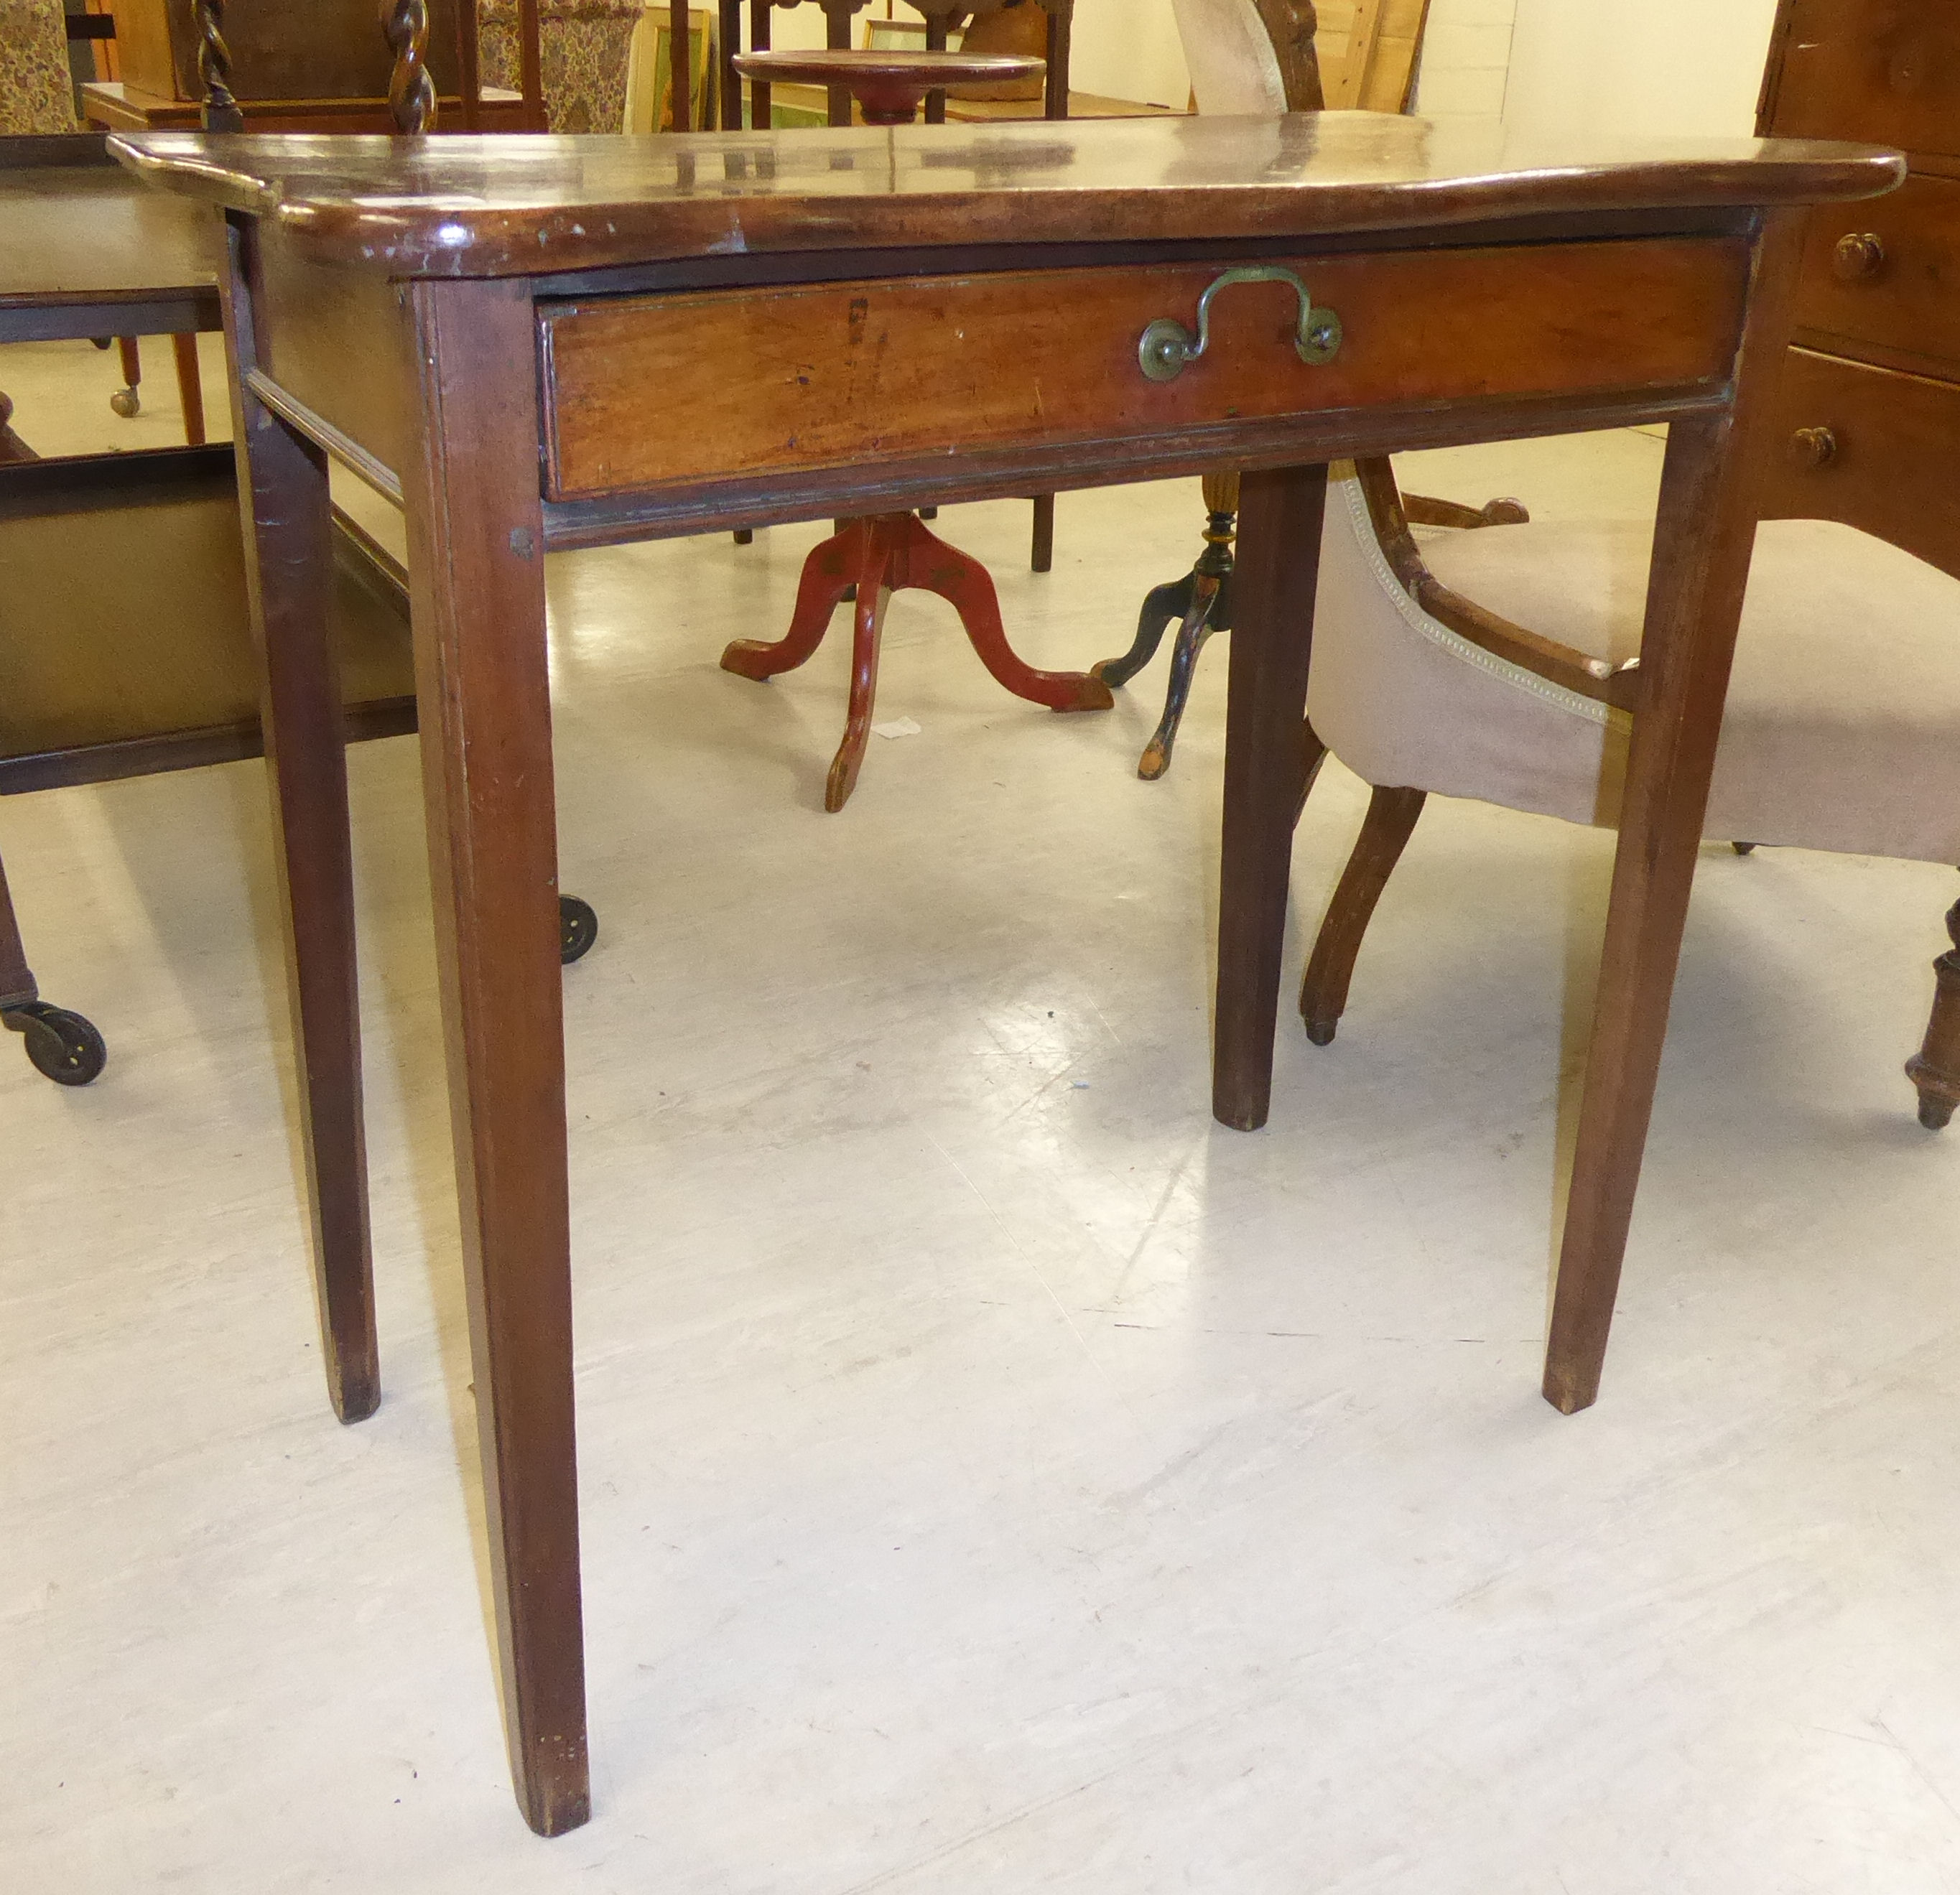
887, 486
780, 384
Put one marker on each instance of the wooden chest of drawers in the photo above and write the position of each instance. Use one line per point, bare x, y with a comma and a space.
1871, 396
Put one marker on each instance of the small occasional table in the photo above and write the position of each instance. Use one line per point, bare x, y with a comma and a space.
574, 342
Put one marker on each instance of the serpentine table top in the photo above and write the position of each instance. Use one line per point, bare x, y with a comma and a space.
552, 341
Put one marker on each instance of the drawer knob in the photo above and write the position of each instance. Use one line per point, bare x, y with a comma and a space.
1167, 349
1812, 447
1859, 253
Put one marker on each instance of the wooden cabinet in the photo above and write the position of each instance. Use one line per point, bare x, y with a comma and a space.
1871, 396
280, 50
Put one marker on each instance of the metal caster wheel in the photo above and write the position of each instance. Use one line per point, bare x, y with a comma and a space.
127, 403
577, 928
62, 1046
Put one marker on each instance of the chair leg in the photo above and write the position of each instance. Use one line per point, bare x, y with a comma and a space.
128, 401
1163, 606
1202, 601
829, 573
190, 388
11, 446
1198, 625
1323, 993
1042, 557
1935, 1068
874, 593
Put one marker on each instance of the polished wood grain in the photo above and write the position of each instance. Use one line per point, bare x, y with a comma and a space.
288, 552
1870, 447
839, 372
476, 562
1887, 71
1705, 531
468, 206
1861, 445
1882, 281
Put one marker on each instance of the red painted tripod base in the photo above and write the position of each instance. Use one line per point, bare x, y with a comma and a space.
889, 553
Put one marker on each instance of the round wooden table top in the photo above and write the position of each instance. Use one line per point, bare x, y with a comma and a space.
890, 86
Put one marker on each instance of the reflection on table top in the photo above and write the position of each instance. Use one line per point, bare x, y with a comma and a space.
527, 205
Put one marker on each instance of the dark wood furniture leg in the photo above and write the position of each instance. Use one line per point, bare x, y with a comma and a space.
1042, 555
11, 447
761, 113
61, 1045
1269, 765
190, 387
837, 37
128, 400
17, 978
1705, 533
935, 42
476, 579
1323, 993
1935, 1068
1061, 30
287, 521
728, 85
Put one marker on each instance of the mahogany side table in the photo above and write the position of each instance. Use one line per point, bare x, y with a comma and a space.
519, 339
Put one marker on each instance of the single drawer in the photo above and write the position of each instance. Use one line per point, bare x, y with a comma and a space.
1886, 274
647, 392
1876, 449
1883, 72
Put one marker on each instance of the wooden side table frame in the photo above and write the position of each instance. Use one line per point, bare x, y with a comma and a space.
448, 335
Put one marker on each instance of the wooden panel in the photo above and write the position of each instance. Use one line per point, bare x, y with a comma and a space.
123, 108
1887, 273
336, 341
125, 584
74, 235
818, 376
464, 206
1884, 71
1891, 464
280, 49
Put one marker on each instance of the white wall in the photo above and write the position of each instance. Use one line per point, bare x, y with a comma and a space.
1129, 49
1663, 69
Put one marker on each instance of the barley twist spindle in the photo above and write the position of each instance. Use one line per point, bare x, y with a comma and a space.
411, 90
221, 112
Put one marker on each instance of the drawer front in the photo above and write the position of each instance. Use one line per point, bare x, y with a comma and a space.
647, 391
1876, 449
1882, 71
1887, 273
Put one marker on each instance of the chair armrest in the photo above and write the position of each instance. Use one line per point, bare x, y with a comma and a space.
1419, 511
1546, 658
